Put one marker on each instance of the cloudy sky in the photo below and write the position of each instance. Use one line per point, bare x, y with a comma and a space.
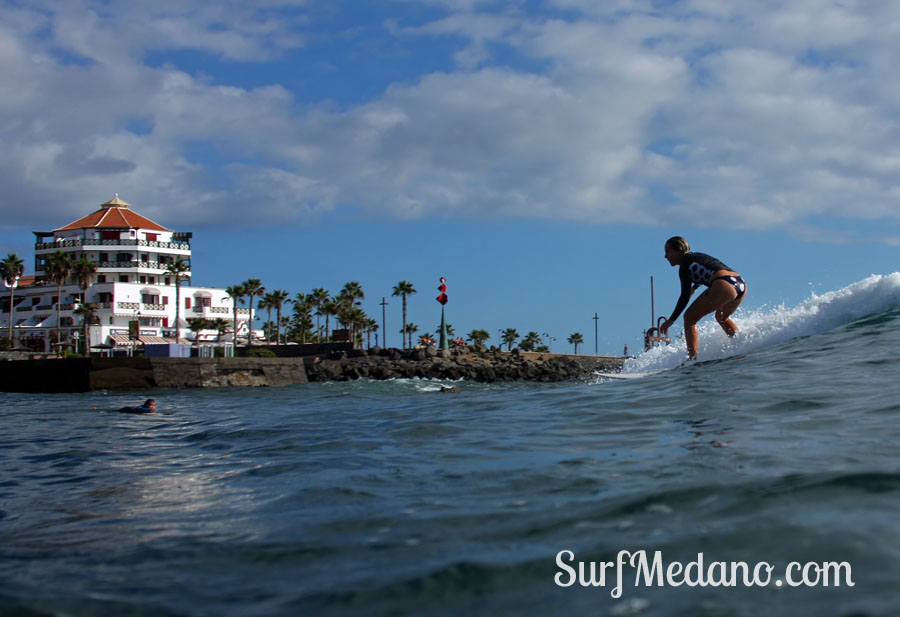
537, 154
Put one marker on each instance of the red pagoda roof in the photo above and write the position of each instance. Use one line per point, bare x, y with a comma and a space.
114, 214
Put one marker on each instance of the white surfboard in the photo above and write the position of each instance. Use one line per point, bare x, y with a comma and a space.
627, 375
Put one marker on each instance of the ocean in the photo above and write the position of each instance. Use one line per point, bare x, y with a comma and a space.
778, 452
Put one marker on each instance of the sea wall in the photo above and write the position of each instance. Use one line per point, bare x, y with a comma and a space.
85, 374
470, 364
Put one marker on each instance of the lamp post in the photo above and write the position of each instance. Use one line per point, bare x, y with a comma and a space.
11, 285
551, 339
384, 303
596, 319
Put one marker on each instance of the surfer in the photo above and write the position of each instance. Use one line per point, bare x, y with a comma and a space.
149, 406
726, 290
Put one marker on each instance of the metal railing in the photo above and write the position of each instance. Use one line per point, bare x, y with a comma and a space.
184, 246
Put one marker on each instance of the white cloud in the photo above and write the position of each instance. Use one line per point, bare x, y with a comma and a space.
717, 113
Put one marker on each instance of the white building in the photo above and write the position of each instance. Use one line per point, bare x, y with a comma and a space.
131, 254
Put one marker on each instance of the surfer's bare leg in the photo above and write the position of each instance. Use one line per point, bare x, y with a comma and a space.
719, 297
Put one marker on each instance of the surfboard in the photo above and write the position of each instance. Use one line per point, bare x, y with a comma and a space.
641, 375
627, 375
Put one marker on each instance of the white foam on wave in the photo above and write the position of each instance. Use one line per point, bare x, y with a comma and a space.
766, 326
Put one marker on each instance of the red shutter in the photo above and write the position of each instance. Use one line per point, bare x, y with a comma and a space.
187, 303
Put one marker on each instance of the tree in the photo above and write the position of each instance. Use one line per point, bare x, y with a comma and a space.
450, 330
329, 307
84, 270
58, 269
318, 296
409, 329
352, 291
253, 288
576, 339
11, 269
266, 304
88, 311
236, 293
221, 327
278, 297
509, 337
478, 337
196, 324
302, 320
180, 269
531, 341
371, 326
404, 289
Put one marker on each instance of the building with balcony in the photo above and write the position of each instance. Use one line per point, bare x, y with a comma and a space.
132, 291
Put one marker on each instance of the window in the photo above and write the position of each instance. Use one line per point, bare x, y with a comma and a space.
143, 280
151, 237
101, 278
123, 278
109, 235
149, 299
204, 301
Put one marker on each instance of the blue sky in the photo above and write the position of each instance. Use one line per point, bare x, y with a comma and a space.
537, 154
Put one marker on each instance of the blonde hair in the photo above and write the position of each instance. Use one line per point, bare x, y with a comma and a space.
679, 244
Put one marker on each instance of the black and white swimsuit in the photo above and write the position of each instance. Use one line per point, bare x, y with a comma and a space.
698, 269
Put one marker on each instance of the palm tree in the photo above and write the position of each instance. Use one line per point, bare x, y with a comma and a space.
576, 339
371, 326
266, 304
410, 329
329, 307
353, 290
236, 293
180, 269
404, 289
531, 340
221, 327
450, 330
278, 297
87, 310
302, 320
58, 269
478, 337
11, 270
318, 296
84, 270
253, 288
510, 336
196, 324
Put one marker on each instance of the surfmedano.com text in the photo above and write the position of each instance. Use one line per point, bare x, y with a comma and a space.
649, 572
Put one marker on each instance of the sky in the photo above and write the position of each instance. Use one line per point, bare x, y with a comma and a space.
536, 154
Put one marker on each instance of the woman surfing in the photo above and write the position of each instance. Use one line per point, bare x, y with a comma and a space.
726, 290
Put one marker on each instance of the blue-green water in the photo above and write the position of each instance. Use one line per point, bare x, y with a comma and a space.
389, 498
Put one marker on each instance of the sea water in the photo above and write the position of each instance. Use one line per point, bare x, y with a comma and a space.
393, 498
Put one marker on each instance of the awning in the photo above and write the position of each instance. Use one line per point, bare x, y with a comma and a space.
122, 339
155, 340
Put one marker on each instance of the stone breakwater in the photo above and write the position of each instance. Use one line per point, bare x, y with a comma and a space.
476, 364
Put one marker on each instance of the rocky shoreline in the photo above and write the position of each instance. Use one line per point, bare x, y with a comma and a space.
472, 364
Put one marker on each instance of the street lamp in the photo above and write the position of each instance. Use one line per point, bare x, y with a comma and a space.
551, 339
11, 285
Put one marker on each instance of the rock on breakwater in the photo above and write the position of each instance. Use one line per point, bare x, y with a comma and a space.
476, 364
